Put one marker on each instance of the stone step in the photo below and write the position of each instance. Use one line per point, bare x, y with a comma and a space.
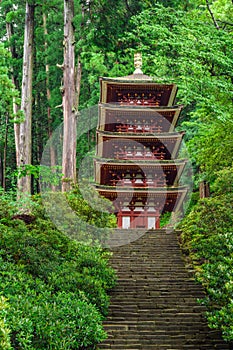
154, 305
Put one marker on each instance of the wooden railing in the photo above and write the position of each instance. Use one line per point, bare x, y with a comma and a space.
139, 128
139, 182
140, 155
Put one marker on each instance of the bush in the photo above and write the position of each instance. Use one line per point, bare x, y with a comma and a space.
56, 287
97, 215
4, 330
42, 319
207, 239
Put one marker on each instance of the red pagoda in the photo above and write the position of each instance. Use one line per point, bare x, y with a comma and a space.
136, 164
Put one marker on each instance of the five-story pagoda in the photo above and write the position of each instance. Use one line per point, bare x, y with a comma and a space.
136, 164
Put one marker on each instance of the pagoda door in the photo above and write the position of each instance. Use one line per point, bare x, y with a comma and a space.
126, 222
151, 222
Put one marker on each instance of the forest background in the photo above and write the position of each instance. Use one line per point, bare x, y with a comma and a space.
184, 42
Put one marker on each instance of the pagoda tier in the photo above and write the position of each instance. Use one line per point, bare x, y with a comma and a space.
140, 174
138, 147
143, 208
162, 199
137, 93
138, 119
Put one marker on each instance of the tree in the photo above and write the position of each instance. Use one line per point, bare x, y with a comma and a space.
7, 95
70, 98
23, 131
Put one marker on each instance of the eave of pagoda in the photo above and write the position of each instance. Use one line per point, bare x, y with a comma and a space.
156, 119
122, 90
108, 142
167, 199
151, 173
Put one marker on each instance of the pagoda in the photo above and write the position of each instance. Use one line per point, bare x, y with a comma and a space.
136, 164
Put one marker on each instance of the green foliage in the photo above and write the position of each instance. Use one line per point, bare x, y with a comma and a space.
211, 144
207, 239
7, 94
89, 206
55, 287
222, 10
185, 47
7, 91
178, 47
4, 330
40, 318
165, 219
224, 181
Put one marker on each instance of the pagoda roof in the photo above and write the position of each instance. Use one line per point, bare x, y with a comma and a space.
141, 191
119, 106
137, 79
126, 162
132, 163
135, 136
171, 197
141, 78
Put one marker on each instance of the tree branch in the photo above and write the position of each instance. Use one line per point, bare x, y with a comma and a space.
128, 7
226, 23
212, 15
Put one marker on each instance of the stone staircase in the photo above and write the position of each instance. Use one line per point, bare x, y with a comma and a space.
154, 305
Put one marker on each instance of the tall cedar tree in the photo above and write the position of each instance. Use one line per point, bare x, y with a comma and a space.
70, 99
23, 131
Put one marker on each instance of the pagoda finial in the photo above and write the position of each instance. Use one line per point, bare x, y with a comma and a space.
138, 63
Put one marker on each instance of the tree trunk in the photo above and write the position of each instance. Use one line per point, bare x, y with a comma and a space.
48, 92
1, 171
5, 154
25, 128
204, 189
9, 30
70, 99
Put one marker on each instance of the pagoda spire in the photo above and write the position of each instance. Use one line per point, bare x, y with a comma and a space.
138, 63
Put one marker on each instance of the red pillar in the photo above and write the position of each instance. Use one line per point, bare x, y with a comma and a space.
119, 219
132, 221
145, 219
157, 219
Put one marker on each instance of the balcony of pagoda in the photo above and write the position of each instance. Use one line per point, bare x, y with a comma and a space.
141, 175
138, 128
141, 153
146, 147
138, 182
138, 120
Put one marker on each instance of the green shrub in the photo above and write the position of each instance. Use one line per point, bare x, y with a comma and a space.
56, 287
207, 239
97, 214
4, 330
63, 264
42, 319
